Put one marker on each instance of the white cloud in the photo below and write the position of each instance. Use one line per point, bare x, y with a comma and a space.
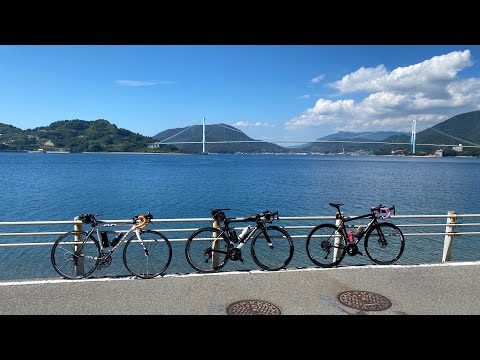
142, 83
428, 92
306, 96
318, 78
252, 124
435, 72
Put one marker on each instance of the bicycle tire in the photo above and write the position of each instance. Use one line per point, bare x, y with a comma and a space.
274, 257
149, 261
320, 245
392, 250
73, 263
198, 250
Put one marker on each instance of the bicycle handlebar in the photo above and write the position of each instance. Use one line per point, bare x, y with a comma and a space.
265, 216
144, 220
88, 218
378, 210
268, 216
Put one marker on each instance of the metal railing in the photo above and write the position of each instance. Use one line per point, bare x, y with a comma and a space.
453, 225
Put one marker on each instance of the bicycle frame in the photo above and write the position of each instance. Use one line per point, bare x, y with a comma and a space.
344, 220
122, 237
259, 226
234, 241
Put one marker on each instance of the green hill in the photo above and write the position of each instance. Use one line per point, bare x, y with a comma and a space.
461, 129
216, 133
100, 135
77, 136
348, 142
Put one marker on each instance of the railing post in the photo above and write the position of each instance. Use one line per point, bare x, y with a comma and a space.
337, 240
449, 233
216, 245
79, 269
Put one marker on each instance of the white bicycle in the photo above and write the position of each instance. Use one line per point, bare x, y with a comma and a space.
146, 254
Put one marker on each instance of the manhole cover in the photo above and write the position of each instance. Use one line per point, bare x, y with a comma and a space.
252, 307
364, 300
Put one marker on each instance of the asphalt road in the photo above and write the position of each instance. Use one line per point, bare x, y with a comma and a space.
434, 289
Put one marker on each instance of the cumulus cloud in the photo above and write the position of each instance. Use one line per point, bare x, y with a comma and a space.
252, 124
435, 72
428, 92
142, 83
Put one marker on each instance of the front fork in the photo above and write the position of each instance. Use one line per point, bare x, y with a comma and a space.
139, 238
381, 238
263, 229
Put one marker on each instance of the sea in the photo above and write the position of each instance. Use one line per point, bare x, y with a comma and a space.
52, 187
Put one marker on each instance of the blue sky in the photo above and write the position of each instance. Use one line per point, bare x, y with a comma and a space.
271, 92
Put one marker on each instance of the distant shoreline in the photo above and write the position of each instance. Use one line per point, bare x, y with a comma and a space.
176, 153
132, 153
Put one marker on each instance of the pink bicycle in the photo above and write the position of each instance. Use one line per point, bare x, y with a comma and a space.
384, 242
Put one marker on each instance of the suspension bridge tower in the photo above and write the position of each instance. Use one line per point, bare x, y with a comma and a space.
413, 139
203, 138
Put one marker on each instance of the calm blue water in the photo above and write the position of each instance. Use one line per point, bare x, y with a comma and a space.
118, 186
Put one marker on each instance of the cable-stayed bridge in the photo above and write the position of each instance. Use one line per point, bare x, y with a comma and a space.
231, 133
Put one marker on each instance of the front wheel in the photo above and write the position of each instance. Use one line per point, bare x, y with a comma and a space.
272, 248
326, 246
147, 258
75, 255
384, 243
207, 250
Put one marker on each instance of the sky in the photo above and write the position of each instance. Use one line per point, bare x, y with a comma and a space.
276, 93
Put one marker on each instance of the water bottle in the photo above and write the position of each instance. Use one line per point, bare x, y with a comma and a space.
359, 232
244, 233
104, 236
350, 236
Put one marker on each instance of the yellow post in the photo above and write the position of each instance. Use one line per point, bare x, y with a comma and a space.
447, 243
78, 239
216, 244
338, 240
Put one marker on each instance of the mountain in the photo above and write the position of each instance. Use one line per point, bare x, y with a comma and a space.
214, 133
362, 136
77, 136
100, 135
344, 141
460, 129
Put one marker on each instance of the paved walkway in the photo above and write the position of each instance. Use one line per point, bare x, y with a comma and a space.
437, 289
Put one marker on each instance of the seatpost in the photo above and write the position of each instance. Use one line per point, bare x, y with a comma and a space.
338, 236
215, 245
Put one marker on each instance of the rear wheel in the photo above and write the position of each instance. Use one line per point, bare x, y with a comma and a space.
75, 255
325, 246
207, 250
384, 243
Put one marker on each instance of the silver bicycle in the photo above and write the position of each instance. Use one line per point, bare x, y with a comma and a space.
146, 254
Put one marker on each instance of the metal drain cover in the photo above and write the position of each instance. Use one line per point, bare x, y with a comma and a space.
252, 307
364, 300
